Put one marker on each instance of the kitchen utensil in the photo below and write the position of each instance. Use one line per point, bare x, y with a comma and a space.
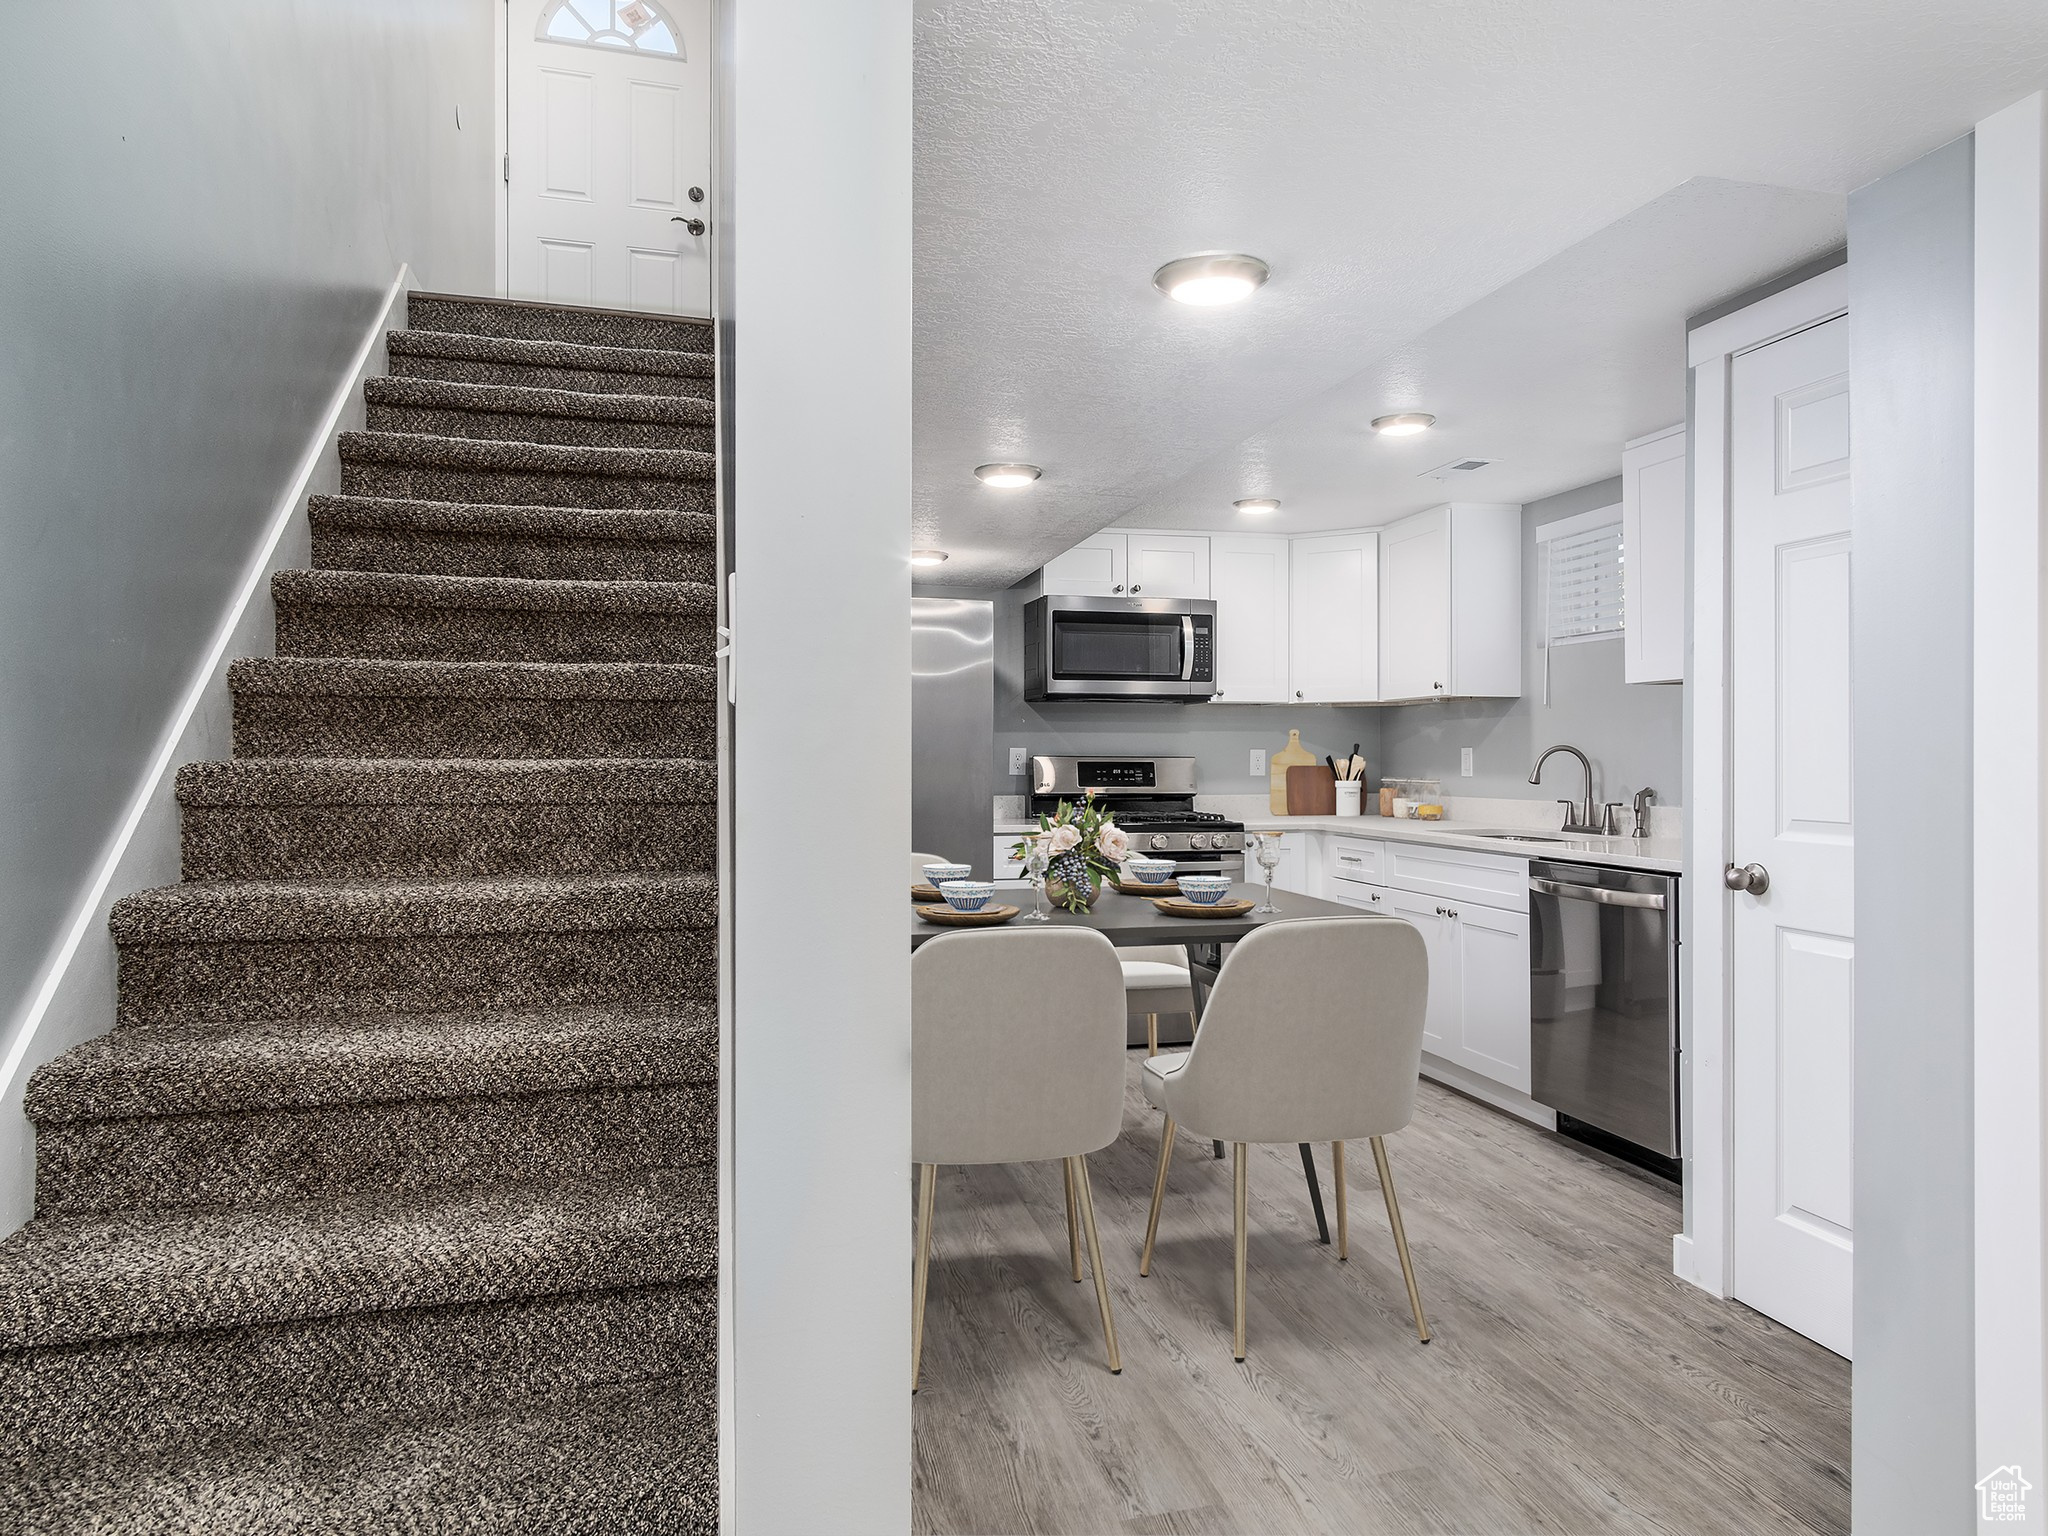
1290, 756
1176, 906
1347, 797
947, 917
1311, 790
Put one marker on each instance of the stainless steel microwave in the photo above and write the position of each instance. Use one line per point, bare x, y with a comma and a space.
1119, 648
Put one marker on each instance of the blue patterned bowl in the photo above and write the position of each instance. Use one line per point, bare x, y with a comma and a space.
966, 895
1205, 890
939, 874
1149, 871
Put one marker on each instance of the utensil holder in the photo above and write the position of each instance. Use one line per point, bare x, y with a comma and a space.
1347, 797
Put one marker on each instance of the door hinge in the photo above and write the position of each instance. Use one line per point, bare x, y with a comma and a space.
724, 652
508, 170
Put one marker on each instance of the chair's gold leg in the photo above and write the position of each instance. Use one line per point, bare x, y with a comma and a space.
1239, 1162
1379, 1157
1073, 1230
1343, 1223
1078, 1171
1151, 1034
927, 1198
1158, 1195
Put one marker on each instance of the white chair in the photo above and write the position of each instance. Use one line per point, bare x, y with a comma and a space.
1156, 981
918, 862
1016, 1056
1313, 1033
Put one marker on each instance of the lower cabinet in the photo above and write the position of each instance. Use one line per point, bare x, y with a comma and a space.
1478, 1013
1294, 872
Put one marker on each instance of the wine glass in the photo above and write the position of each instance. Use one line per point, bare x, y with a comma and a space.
1269, 860
1036, 861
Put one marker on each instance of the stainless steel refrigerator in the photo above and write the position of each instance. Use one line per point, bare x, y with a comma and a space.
952, 730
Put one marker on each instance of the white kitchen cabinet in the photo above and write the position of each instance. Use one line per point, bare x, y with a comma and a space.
1335, 596
1093, 568
1440, 1026
1493, 991
1007, 865
1166, 564
1249, 581
1653, 557
1294, 871
1450, 603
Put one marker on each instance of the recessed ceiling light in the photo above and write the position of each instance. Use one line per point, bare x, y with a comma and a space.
1257, 504
1220, 277
1407, 424
927, 557
1005, 477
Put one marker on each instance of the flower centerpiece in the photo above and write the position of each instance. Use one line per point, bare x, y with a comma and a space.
1085, 844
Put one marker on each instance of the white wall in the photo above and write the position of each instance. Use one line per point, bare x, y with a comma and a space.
207, 205
1910, 318
816, 281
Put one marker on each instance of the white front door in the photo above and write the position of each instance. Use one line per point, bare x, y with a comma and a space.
608, 128
1792, 946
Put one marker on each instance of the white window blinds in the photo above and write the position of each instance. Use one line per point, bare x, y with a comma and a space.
1581, 577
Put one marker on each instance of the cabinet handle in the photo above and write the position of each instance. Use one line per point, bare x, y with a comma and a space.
1118, 587
1297, 693
1439, 687
1136, 589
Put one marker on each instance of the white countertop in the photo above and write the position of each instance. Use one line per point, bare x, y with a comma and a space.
1661, 855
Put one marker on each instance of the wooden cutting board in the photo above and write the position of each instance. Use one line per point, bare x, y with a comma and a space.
1311, 790
1293, 755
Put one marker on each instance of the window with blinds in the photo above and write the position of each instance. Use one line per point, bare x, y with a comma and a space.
1582, 577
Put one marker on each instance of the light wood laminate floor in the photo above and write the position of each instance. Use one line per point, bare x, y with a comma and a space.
1574, 1384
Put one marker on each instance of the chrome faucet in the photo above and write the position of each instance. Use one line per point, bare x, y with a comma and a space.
1578, 817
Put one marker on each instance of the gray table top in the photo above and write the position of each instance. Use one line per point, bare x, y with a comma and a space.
1132, 920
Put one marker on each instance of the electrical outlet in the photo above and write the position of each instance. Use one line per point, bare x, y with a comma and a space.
1465, 762
1258, 762
1020, 760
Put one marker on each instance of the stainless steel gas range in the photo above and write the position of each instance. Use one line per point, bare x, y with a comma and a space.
1154, 801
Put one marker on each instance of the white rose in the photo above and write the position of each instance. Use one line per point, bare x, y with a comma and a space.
1061, 838
1114, 843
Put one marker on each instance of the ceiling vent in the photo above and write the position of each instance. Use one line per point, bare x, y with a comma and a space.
1455, 467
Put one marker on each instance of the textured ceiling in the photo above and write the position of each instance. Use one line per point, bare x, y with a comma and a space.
1396, 165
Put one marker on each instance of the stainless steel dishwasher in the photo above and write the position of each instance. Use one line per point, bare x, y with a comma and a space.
1603, 1005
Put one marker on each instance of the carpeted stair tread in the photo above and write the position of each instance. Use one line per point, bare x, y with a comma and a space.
622, 524
388, 589
555, 355
288, 781
640, 1456
89, 1277
272, 911
373, 678
523, 318
527, 400
302, 1063
418, 450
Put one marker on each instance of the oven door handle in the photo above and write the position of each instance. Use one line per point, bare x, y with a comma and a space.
1187, 648
1597, 893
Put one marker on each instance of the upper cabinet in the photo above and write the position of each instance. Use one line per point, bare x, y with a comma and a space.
1450, 609
1248, 580
1653, 557
1335, 650
1167, 564
1094, 568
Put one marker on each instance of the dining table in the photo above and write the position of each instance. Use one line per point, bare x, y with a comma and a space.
1131, 921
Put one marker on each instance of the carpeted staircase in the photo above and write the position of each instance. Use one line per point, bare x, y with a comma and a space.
390, 1203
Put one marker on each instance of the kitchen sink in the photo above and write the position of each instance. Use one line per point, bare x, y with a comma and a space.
1506, 836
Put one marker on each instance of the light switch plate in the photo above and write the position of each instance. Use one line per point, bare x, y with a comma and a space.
1465, 762
1020, 759
1258, 762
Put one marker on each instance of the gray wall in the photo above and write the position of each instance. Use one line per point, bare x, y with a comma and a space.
1630, 731
206, 204
1910, 317
1219, 736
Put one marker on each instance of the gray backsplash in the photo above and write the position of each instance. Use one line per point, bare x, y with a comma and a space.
1630, 731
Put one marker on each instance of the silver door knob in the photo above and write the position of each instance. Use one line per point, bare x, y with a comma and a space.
1753, 878
694, 226
1297, 693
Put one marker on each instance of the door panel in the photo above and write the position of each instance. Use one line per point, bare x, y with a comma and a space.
1791, 810
1493, 985
1167, 565
1335, 602
1415, 607
1092, 569
1248, 579
1439, 941
604, 144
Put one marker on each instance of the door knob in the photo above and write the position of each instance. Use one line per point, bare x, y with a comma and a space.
694, 226
1753, 878
696, 194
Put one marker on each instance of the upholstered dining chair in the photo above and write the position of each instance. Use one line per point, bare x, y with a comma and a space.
1016, 1056
1313, 1033
918, 862
1156, 981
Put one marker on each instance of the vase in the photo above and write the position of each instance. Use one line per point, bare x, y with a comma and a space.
1070, 883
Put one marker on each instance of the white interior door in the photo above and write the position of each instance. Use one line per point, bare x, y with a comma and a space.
1792, 946
608, 128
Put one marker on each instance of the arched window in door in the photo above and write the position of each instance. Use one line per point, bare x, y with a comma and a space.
637, 26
